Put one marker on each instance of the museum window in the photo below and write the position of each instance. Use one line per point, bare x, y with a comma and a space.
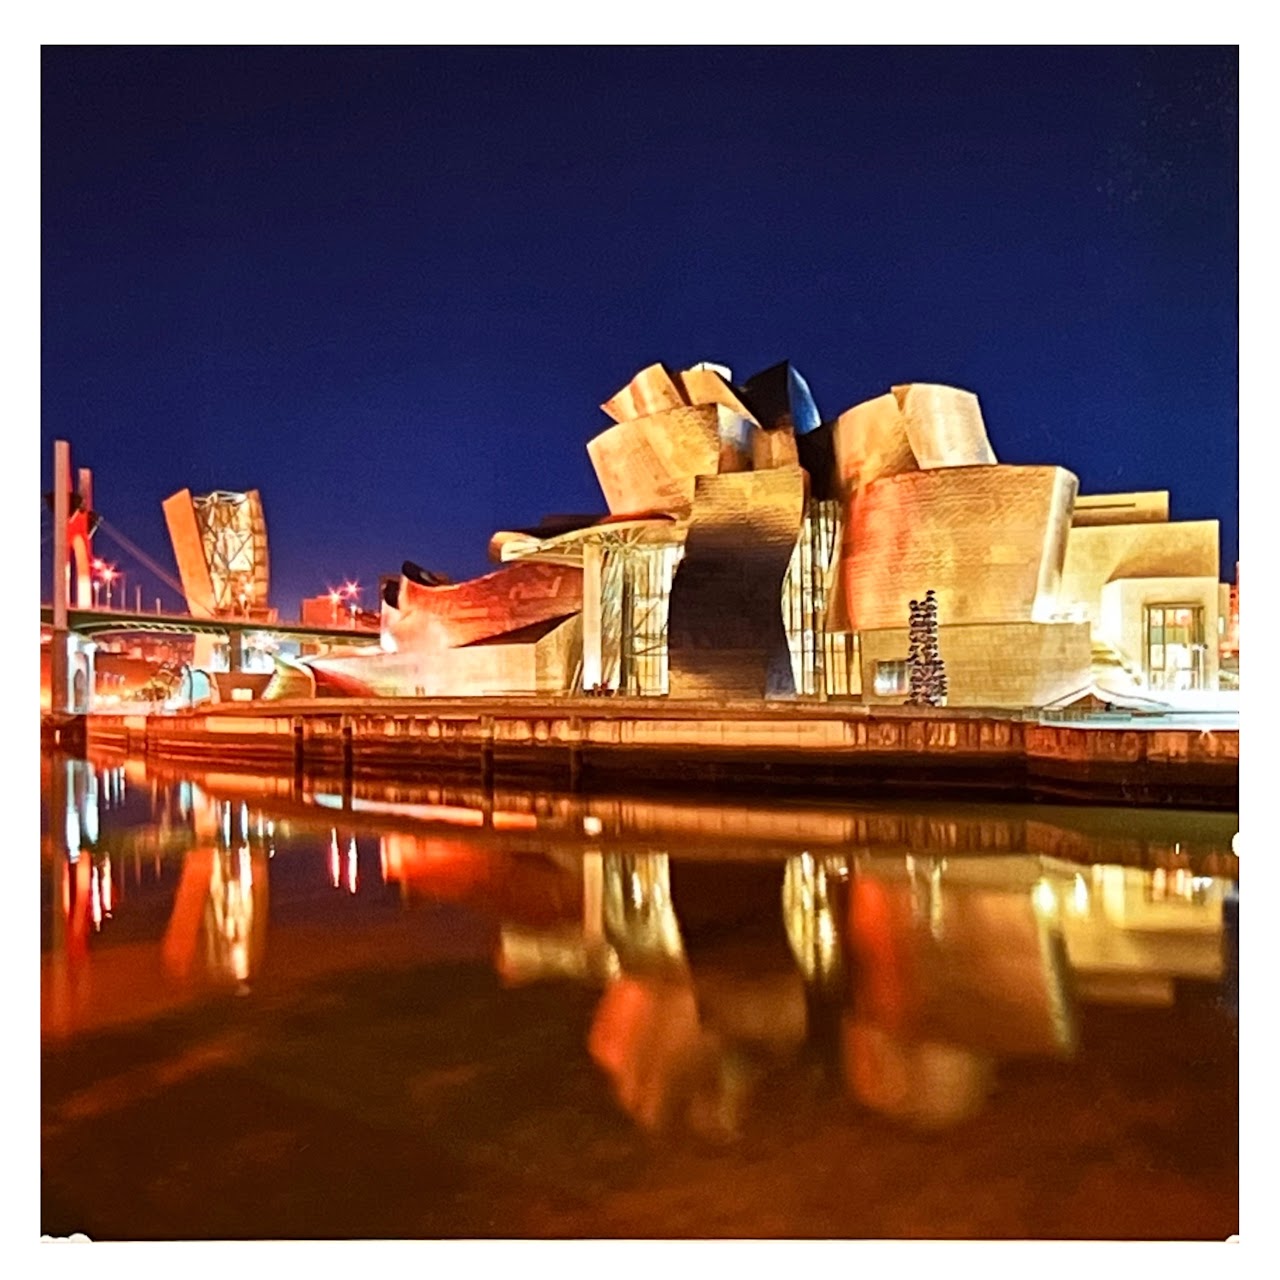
805, 592
1175, 646
892, 678
641, 603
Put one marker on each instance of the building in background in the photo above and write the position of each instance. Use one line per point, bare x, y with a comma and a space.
220, 543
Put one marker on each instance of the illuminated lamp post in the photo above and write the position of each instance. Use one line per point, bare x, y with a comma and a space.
98, 566
352, 591
109, 575
335, 599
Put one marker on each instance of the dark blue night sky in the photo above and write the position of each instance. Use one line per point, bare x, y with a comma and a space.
390, 288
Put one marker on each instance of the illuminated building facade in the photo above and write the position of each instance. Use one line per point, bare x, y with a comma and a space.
220, 543
752, 549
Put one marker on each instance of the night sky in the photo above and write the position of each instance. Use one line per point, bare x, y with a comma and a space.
390, 288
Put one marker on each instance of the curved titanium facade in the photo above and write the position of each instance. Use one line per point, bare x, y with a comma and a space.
870, 441
650, 464
944, 426
726, 637
652, 390
989, 540
462, 613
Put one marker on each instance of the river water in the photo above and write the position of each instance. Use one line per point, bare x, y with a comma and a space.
281, 1009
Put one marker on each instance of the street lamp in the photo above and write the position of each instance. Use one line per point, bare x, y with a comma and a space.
109, 575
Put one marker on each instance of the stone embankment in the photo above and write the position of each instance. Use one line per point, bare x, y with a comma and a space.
809, 749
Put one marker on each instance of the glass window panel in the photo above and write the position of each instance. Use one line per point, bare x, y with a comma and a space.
1157, 657
891, 678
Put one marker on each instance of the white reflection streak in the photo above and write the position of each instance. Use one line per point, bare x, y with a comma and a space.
95, 899
335, 871
352, 866
1080, 896
106, 885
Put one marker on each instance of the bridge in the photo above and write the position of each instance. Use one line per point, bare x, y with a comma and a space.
89, 622
219, 543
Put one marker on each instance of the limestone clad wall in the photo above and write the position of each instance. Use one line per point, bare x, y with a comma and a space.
1017, 664
1123, 612
1150, 506
1100, 554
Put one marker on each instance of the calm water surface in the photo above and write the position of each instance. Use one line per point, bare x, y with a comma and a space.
275, 1010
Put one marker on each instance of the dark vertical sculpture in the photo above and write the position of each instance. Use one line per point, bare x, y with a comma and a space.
928, 677
726, 637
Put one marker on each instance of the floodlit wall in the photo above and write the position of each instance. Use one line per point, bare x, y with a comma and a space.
650, 463
944, 426
1015, 664
432, 619
526, 665
188, 551
220, 545
652, 390
1148, 507
726, 636
989, 540
1122, 613
870, 441
1097, 555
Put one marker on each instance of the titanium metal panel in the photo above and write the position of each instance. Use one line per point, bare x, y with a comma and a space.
870, 441
650, 463
944, 426
188, 551
651, 391
706, 386
816, 453
779, 447
990, 540
726, 637
780, 397
448, 617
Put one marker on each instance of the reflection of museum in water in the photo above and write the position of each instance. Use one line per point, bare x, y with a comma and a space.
752, 549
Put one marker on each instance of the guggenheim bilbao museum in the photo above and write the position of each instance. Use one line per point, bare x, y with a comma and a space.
753, 550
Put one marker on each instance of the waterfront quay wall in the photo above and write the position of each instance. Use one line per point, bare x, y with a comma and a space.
804, 748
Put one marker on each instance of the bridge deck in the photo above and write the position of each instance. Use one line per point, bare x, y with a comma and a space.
99, 621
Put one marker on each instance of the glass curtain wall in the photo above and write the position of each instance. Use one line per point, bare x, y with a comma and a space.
637, 595
1175, 646
820, 662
